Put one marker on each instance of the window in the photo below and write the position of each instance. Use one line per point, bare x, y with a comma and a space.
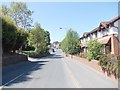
104, 32
95, 34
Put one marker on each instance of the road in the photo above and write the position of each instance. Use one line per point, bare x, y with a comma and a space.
55, 71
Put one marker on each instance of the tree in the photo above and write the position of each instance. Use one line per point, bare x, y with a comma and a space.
69, 43
94, 49
13, 38
39, 39
47, 37
5, 10
21, 40
9, 34
21, 14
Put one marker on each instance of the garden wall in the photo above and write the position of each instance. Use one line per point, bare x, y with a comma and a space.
94, 64
9, 59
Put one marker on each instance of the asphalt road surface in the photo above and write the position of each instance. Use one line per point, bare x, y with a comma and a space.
55, 71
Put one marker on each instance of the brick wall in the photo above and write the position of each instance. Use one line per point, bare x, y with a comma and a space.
9, 59
114, 45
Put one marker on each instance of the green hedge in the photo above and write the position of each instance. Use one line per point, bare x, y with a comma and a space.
13, 38
9, 34
35, 54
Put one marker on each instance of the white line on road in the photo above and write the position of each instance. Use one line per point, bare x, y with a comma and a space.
72, 76
15, 78
11, 80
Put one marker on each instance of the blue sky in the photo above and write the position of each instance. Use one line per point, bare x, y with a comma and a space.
80, 16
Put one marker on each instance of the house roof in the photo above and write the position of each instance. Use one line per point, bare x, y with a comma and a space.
115, 19
87, 33
94, 30
107, 23
56, 42
102, 25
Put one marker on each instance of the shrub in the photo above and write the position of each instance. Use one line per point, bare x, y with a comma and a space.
35, 54
94, 49
110, 64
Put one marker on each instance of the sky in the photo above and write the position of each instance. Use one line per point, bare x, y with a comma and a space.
80, 16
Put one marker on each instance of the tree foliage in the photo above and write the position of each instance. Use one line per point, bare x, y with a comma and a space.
13, 38
20, 13
94, 49
15, 21
47, 37
21, 40
39, 38
9, 34
69, 43
5, 10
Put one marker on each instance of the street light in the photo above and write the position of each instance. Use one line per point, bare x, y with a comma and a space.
60, 28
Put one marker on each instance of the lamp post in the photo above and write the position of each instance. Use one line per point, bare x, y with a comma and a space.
67, 48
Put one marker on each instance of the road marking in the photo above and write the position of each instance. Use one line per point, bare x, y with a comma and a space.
72, 76
15, 78
11, 80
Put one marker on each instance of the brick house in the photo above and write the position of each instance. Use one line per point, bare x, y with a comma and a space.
107, 34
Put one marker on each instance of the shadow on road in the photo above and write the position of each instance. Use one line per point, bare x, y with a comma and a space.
23, 69
53, 57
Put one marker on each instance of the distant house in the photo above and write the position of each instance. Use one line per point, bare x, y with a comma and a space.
106, 34
56, 44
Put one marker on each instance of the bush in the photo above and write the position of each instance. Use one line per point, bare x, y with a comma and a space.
118, 58
29, 53
94, 50
27, 47
35, 54
110, 64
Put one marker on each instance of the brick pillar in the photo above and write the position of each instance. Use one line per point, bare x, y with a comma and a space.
114, 45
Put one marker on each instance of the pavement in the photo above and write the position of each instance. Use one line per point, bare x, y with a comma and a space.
54, 71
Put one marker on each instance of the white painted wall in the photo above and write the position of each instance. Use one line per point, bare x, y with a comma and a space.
93, 36
108, 31
99, 34
113, 30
